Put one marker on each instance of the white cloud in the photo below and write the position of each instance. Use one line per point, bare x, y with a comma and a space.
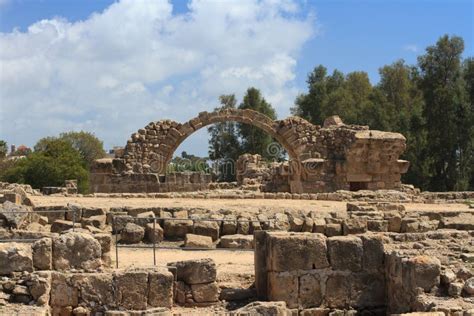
137, 62
411, 48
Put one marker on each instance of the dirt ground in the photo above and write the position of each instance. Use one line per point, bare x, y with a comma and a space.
248, 205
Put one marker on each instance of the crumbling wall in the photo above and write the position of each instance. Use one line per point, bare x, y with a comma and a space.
337, 156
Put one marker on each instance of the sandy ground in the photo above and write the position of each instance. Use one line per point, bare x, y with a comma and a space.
233, 267
248, 205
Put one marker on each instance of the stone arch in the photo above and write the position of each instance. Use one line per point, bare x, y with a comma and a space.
152, 148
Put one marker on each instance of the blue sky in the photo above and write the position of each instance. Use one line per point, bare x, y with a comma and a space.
287, 40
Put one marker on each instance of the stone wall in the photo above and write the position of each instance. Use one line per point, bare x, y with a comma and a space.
336, 156
337, 272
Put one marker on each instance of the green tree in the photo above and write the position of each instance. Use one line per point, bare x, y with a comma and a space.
224, 145
468, 75
50, 165
3, 149
88, 145
447, 113
253, 139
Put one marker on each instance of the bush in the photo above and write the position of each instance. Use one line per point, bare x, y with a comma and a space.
50, 165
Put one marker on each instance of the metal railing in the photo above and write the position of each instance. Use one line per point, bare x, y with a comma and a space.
156, 247
31, 213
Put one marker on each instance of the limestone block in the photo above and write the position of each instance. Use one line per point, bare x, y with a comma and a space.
42, 254
76, 251
236, 241
283, 286
154, 233
354, 226
425, 271
62, 293
373, 257
208, 292
160, 294
97, 221
310, 292
308, 251
131, 289
378, 225
177, 229
338, 291
15, 257
229, 225
264, 308
132, 234
198, 241
96, 289
61, 225
195, 271
345, 253
307, 225
207, 228
333, 230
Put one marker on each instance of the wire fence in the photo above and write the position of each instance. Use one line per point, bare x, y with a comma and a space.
156, 246
32, 213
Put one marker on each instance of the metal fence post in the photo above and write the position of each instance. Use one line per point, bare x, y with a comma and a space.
154, 241
114, 226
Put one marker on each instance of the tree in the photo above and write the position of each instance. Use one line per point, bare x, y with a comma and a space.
253, 139
52, 163
224, 145
88, 145
3, 149
447, 113
468, 74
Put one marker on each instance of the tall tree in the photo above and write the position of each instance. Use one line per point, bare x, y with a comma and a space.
469, 84
88, 145
254, 139
447, 113
224, 145
3, 149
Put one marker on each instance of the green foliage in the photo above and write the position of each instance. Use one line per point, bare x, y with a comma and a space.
3, 149
88, 145
224, 144
253, 139
49, 165
432, 105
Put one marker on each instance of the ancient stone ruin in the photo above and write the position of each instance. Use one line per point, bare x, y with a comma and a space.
321, 159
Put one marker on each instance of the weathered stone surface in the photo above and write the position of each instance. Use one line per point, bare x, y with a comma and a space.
265, 309
15, 257
229, 225
76, 251
338, 291
177, 229
42, 254
236, 241
469, 287
97, 221
61, 225
207, 228
198, 241
345, 253
132, 234
310, 292
333, 230
354, 226
160, 292
131, 289
96, 290
195, 271
279, 243
40, 287
283, 286
62, 293
154, 233
373, 258
14, 220
425, 271
208, 292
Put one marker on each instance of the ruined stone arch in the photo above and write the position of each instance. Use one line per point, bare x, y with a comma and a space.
152, 148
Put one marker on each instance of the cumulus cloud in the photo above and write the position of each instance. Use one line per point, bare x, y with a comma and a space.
137, 62
411, 48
